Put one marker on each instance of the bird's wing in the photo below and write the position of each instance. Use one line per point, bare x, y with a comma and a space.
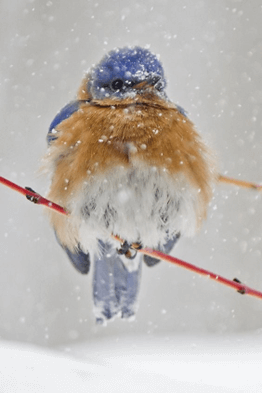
62, 115
181, 110
79, 259
167, 247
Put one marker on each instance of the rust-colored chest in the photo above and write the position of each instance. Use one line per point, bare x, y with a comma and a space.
99, 138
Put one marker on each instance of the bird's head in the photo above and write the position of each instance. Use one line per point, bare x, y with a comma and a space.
126, 72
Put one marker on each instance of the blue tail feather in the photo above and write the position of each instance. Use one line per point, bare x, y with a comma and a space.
115, 289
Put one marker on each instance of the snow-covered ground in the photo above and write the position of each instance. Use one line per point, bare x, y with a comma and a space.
189, 333
136, 364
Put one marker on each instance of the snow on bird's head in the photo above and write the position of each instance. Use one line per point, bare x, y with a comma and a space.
121, 69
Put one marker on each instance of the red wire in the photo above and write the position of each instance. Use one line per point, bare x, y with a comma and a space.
241, 288
36, 198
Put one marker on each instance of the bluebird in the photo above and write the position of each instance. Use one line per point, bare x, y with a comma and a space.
125, 160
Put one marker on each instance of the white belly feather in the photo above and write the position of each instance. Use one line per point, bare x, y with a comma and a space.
138, 204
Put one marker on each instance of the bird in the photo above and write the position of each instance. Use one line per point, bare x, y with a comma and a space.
125, 160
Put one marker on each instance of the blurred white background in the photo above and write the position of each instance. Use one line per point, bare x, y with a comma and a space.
212, 55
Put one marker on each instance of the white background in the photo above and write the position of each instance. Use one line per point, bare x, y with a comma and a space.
212, 55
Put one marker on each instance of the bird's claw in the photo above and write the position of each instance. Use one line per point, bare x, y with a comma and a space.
242, 291
129, 250
32, 198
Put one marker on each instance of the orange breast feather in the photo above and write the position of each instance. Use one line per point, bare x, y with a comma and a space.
98, 138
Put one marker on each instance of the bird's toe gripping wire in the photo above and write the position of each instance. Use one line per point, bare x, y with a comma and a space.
129, 249
32, 198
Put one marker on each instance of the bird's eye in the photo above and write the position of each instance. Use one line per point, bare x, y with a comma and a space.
117, 84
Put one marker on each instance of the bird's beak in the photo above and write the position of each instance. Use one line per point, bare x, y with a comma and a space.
151, 81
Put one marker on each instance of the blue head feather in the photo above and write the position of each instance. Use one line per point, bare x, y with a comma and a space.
121, 69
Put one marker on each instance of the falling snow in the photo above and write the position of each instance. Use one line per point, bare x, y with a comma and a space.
195, 334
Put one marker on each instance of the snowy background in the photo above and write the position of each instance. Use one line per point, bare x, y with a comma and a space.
212, 55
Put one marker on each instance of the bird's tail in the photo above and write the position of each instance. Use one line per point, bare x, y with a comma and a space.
115, 286
116, 280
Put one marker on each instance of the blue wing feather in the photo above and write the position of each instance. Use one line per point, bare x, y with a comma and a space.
64, 114
150, 261
181, 110
79, 258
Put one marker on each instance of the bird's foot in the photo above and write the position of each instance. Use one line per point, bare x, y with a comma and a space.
32, 198
129, 249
